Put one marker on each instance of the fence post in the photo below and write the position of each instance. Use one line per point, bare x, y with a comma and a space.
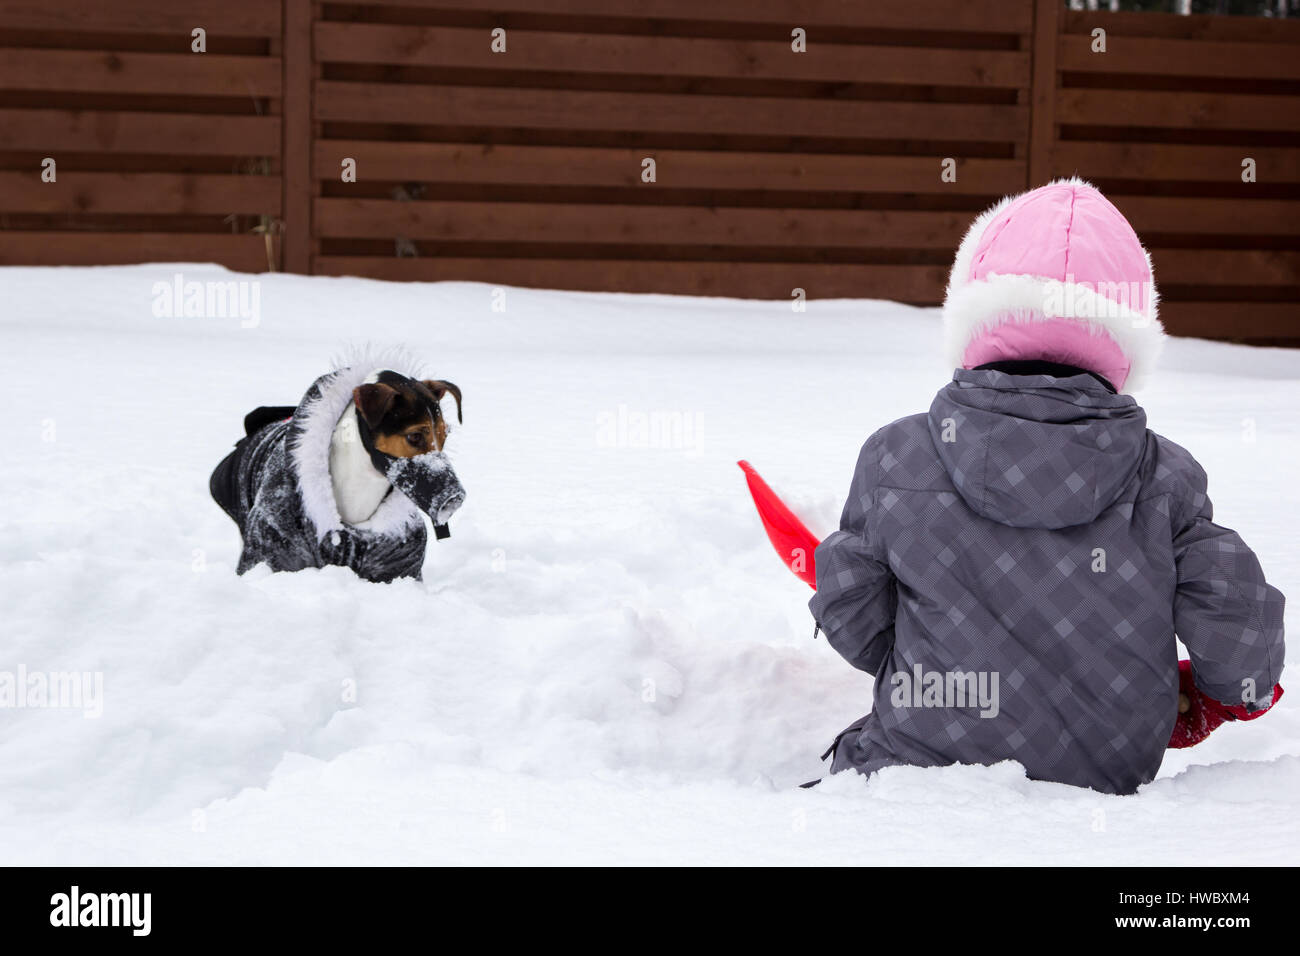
296, 136
1042, 100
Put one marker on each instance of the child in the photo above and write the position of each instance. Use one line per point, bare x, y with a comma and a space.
1013, 566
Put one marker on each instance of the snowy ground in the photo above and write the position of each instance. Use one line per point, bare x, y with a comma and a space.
605, 663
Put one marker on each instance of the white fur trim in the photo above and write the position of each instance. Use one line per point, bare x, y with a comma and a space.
392, 358
961, 263
311, 451
359, 487
971, 308
975, 307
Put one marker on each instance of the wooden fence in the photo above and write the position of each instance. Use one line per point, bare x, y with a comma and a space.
648, 145
159, 153
1163, 122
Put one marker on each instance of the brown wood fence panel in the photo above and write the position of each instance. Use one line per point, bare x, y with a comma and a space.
1163, 121
161, 153
235, 18
49, 247
588, 166
773, 169
957, 15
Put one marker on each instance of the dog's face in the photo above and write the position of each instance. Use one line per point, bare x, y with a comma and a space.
403, 414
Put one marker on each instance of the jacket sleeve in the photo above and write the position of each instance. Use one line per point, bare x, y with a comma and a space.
1226, 614
856, 596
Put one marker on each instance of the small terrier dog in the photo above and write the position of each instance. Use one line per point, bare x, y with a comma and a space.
342, 478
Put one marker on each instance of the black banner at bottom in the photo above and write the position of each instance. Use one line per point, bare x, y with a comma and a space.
335, 906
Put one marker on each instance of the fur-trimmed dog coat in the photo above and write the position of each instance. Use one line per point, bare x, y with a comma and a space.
276, 486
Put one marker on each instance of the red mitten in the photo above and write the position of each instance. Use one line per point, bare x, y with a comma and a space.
1198, 721
1205, 714
1239, 711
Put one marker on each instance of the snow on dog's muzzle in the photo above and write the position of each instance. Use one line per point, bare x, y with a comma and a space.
429, 481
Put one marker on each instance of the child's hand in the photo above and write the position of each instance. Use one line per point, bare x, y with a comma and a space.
1195, 721
1199, 715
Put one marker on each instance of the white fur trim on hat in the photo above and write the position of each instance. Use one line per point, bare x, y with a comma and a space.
978, 306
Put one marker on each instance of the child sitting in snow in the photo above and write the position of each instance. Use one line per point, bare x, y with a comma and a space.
1031, 540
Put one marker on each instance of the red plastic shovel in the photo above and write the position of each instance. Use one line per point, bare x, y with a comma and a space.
790, 536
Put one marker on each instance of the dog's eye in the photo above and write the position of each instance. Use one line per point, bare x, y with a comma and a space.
416, 439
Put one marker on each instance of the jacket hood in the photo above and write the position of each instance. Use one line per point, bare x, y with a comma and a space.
312, 428
1036, 451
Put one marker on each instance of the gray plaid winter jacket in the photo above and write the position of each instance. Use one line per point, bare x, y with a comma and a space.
1013, 566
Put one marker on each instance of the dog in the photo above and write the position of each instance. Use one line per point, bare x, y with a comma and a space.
343, 477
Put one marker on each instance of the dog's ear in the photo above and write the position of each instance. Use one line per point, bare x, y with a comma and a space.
374, 401
441, 388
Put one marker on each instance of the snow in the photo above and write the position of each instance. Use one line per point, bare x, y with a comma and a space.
605, 662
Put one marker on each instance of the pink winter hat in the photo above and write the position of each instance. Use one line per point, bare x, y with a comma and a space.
1057, 274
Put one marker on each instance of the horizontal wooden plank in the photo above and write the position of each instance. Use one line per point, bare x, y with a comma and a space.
1226, 267
1195, 27
678, 169
665, 113
637, 225
244, 253
650, 225
745, 280
1241, 321
1181, 109
1209, 216
139, 132
977, 16
174, 74
1158, 56
153, 193
1173, 162
219, 17
606, 53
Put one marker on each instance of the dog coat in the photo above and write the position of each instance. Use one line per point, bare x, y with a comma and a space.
276, 486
